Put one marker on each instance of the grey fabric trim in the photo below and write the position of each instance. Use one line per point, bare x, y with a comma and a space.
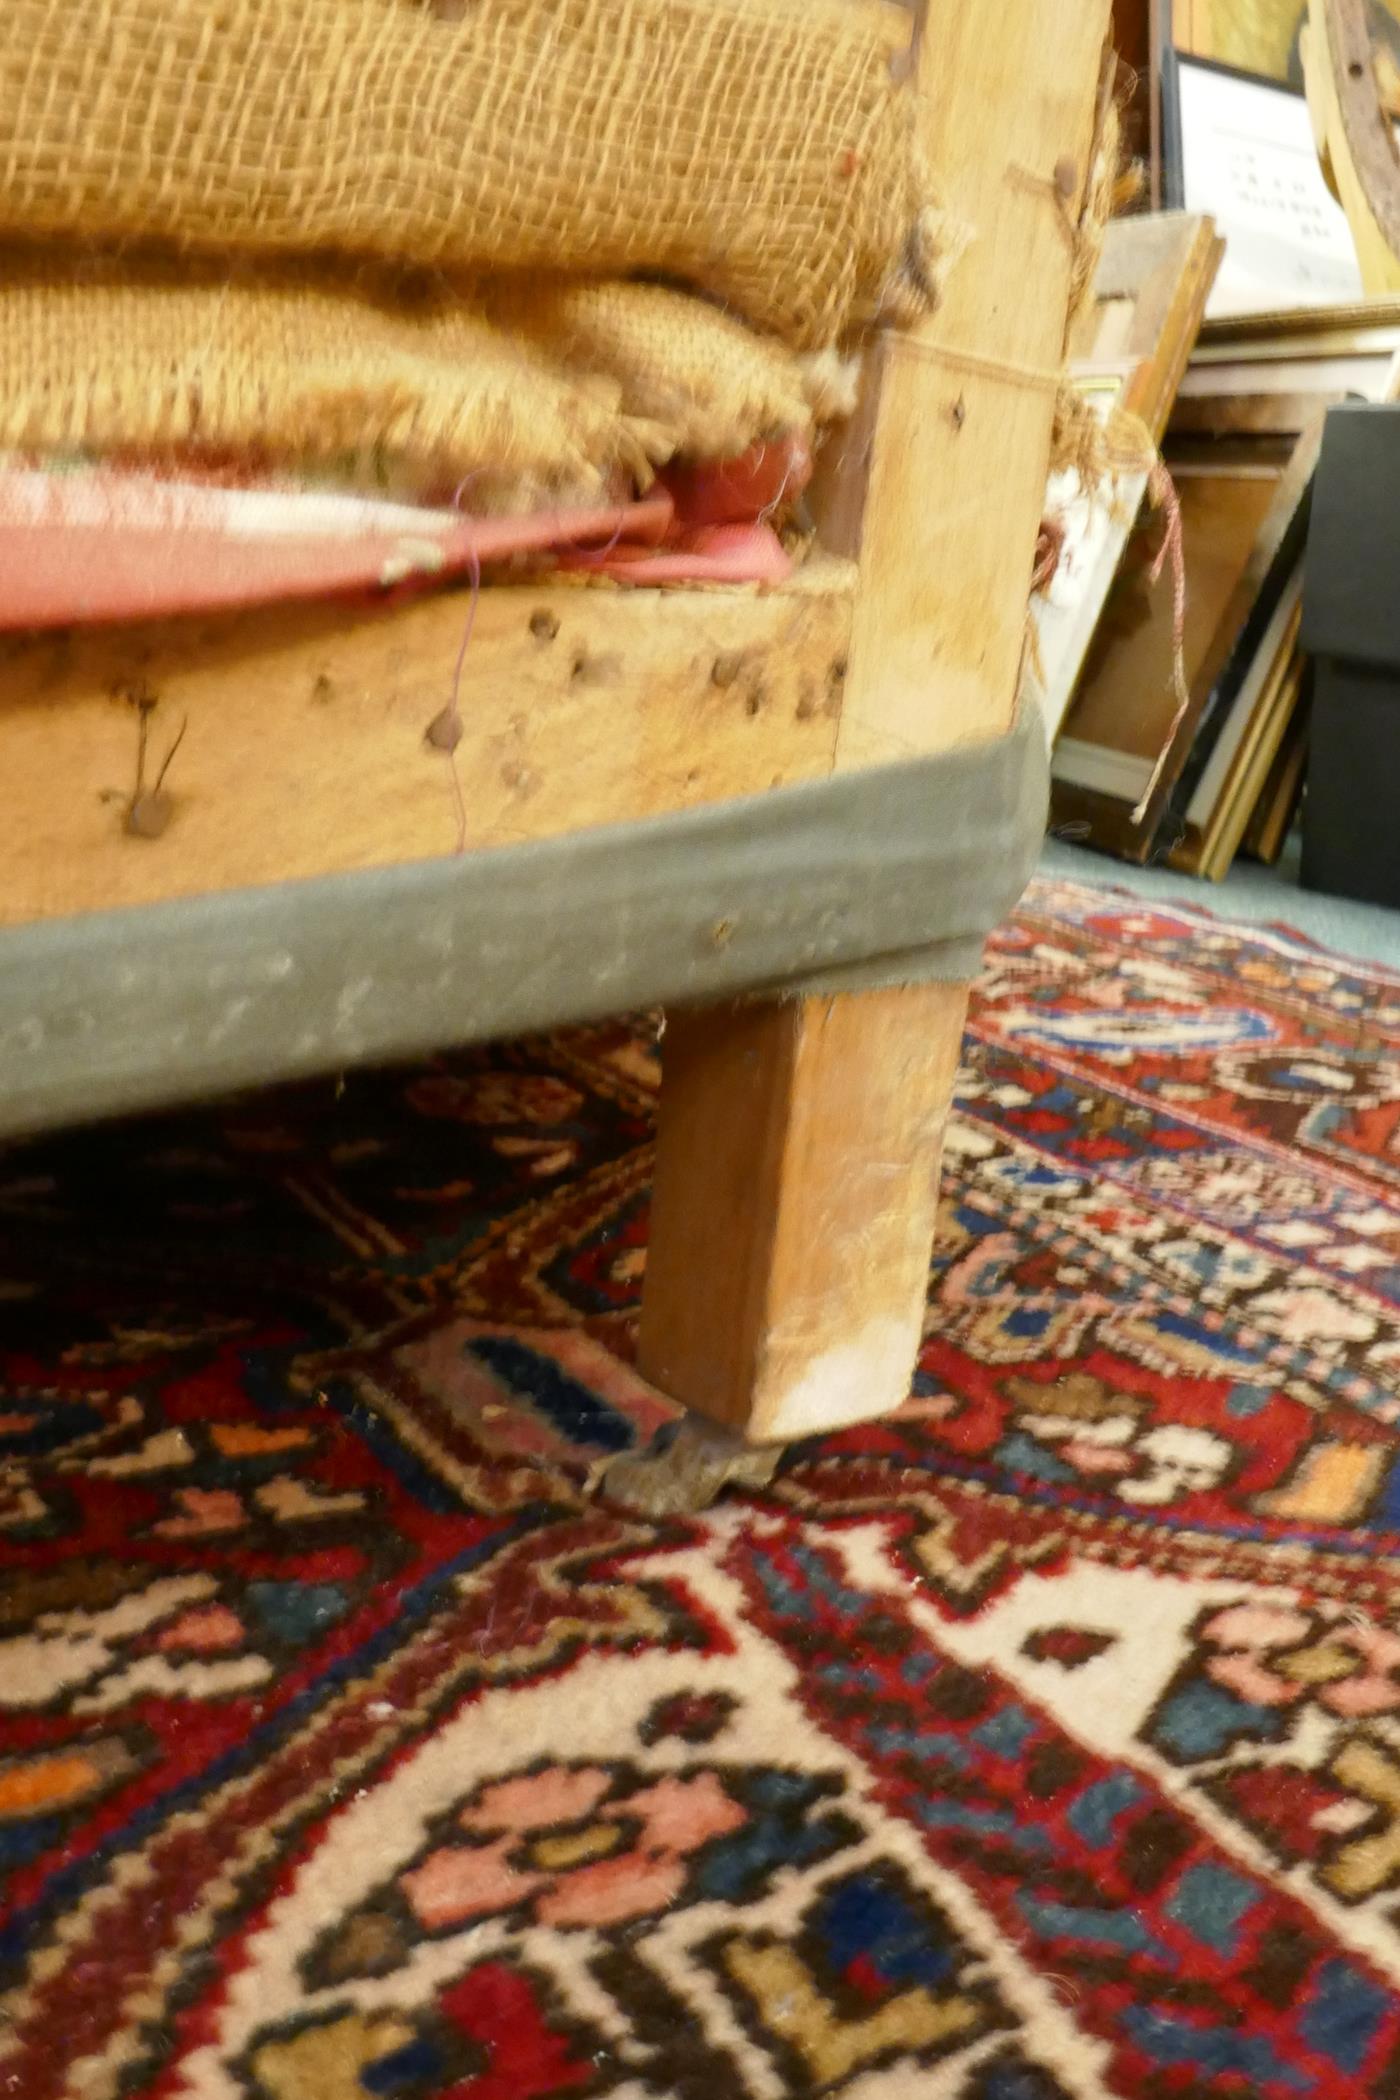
886, 876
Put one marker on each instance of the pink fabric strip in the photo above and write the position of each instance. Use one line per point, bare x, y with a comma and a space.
109, 543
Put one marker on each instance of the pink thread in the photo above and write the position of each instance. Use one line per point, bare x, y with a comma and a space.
593, 557
1049, 550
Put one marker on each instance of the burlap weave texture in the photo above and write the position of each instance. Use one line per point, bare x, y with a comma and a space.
759, 150
551, 390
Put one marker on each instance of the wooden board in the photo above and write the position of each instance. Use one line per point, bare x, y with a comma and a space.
302, 730
798, 1146
824, 1171
939, 482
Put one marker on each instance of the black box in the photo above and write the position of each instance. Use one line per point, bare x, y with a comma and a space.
1351, 627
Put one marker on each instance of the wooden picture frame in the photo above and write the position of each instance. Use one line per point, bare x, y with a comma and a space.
1129, 352
1215, 816
1129, 752
1282, 793
1265, 375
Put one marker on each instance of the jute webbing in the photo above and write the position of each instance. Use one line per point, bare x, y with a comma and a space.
756, 149
539, 392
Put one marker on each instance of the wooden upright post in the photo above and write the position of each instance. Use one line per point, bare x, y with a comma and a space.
799, 1141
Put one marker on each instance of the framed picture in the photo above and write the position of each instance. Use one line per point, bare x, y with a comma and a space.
1262, 36
1129, 765
1256, 36
1130, 351
1216, 814
1242, 148
1268, 374
1276, 810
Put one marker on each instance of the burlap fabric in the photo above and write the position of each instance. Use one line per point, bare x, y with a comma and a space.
690, 378
551, 391
757, 149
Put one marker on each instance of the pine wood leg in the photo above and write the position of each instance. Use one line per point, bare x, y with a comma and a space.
793, 1205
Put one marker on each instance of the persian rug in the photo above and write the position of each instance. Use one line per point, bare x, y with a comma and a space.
1041, 1743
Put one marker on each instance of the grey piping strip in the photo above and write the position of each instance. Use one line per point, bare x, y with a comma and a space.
885, 876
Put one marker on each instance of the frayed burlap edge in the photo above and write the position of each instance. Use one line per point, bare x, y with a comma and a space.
552, 390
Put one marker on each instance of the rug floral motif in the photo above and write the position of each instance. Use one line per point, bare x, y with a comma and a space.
1039, 1743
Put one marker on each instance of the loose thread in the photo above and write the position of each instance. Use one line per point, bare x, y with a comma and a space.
165, 762
770, 510
149, 811
1049, 551
610, 545
445, 731
1162, 491
454, 705
1037, 376
594, 557
1049, 548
